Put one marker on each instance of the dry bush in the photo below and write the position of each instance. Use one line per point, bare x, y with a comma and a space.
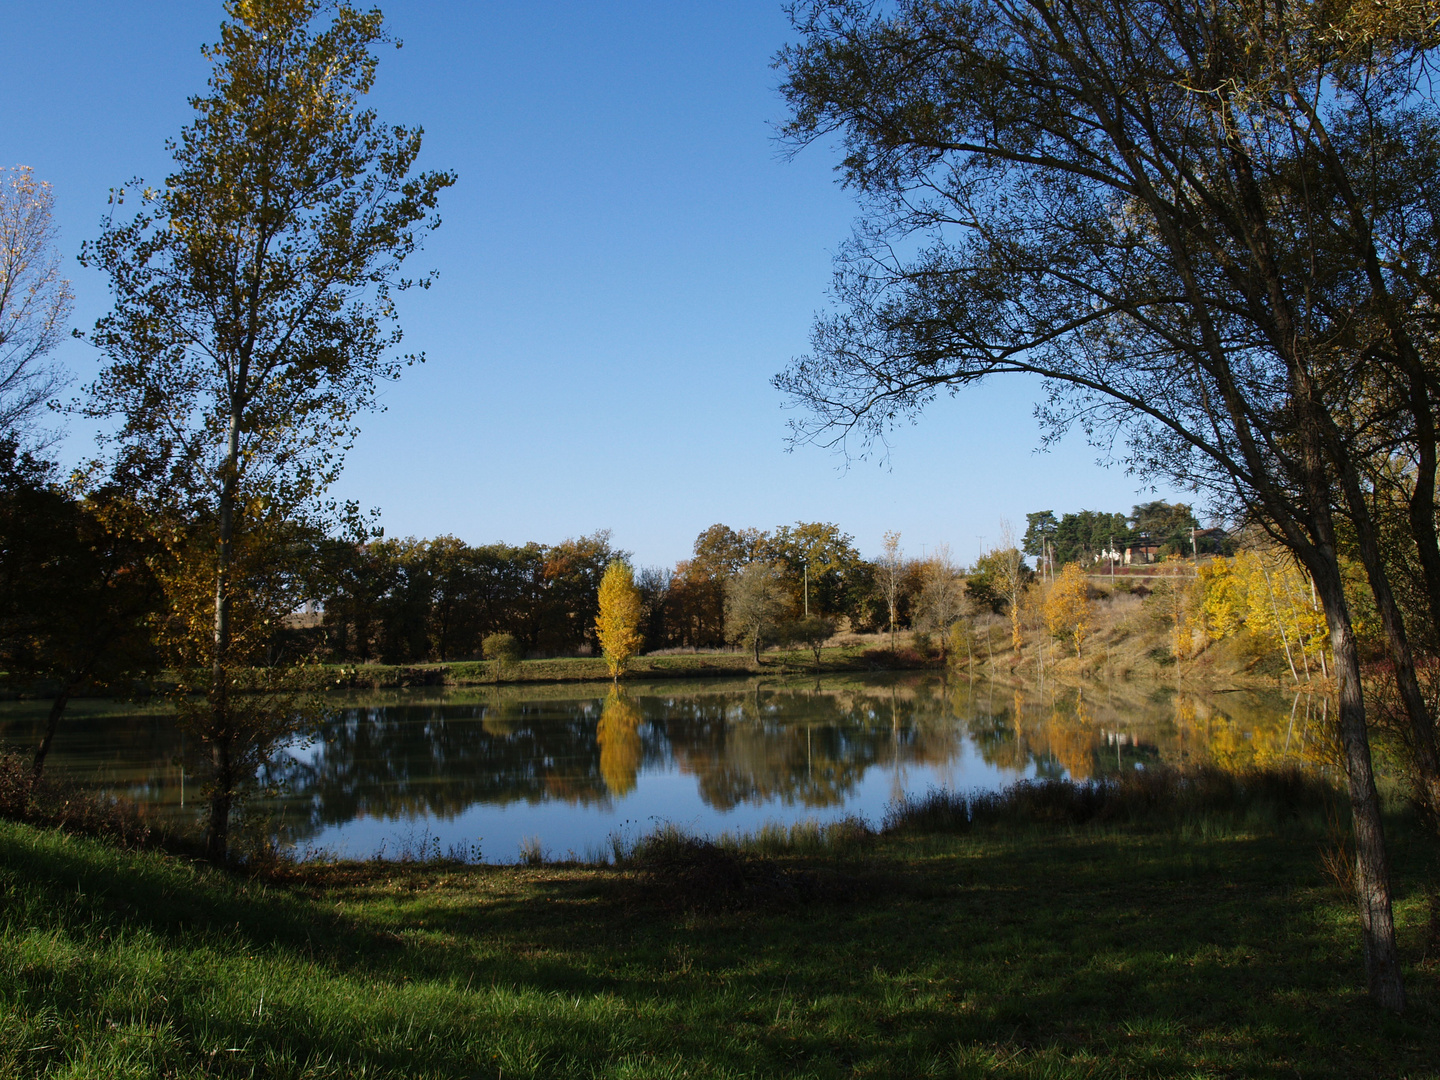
64, 805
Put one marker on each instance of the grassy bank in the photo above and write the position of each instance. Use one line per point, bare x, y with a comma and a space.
1111, 941
573, 669
1131, 639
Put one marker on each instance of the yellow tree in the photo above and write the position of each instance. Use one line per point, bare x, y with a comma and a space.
1226, 596
618, 624
1068, 613
1272, 597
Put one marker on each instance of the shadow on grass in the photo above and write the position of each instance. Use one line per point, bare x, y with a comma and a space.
1037, 944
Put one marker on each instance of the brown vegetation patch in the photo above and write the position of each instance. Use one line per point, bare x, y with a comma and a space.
686, 873
63, 805
891, 659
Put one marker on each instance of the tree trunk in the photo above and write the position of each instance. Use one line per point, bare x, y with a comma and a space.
52, 721
1422, 518
1421, 737
1372, 871
222, 797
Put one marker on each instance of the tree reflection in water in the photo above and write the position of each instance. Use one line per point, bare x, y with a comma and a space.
799, 745
757, 745
618, 736
1090, 733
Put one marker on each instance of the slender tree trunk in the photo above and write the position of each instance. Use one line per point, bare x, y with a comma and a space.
222, 796
1315, 606
1422, 513
1424, 753
222, 799
1279, 623
52, 721
62, 699
1372, 870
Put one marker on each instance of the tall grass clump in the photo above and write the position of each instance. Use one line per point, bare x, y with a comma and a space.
802, 838
1202, 798
772, 840
779, 866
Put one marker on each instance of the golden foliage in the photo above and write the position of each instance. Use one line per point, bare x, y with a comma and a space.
1068, 611
1271, 597
618, 623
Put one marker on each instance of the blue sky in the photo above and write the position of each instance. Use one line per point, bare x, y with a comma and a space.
625, 262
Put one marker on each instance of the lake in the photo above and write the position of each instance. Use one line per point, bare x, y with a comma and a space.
565, 768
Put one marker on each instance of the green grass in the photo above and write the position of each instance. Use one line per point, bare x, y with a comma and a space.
1103, 951
566, 669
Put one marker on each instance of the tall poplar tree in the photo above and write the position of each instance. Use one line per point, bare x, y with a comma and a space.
617, 625
253, 316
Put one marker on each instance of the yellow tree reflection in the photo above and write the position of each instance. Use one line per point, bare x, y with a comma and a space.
619, 737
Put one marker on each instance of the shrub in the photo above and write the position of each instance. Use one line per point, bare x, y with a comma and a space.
502, 648
63, 804
812, 632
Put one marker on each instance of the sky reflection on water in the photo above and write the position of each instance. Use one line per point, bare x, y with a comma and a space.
573, 765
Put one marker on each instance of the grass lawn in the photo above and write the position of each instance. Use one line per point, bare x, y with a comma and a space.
1022, 952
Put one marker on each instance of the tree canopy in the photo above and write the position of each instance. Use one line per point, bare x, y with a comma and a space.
253, 316
35, 302
1205, 227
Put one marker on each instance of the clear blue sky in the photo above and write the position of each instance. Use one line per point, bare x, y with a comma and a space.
624, 263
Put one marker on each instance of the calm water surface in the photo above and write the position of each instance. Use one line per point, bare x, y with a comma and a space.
571, 766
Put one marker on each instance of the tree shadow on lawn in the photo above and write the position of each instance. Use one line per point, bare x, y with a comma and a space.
1230, 953
1138, 948
88, 887
1129, 950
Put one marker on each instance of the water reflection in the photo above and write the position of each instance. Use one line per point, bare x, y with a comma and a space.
618, 736
801, 746
713, 755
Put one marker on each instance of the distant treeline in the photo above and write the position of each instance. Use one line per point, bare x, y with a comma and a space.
411, 601
406, 601
1159, 528
81, 597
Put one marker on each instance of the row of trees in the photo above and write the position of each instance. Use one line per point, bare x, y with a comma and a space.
1169, 528
408, 601
400, 601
